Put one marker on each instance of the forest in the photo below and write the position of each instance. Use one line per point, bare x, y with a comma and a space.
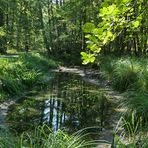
73, 73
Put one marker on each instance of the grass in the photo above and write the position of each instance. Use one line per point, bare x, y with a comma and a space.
23, 73
7, 140
136, 105
125, 73
130, 134
129, 75
44, 137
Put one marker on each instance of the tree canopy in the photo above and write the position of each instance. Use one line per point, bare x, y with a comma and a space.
70, 26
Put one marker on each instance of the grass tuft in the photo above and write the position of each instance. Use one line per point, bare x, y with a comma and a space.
44, 137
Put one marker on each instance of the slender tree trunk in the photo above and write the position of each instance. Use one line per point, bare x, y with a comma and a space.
135, 46
43, 29
3, 38
50, 25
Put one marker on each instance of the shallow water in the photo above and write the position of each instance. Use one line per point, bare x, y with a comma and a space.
68, 103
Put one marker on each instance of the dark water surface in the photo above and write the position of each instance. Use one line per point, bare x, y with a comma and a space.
68, 103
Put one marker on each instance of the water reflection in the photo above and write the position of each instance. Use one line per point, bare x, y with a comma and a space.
70, 104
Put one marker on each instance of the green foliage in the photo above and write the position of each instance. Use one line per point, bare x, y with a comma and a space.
2, 33
107, 66
44, 137
129, 75
22, 73
125, 74
136, 103
30, 78
142, 83
7, 139
37, 61
87, 58
88, 27
127, 134
2, 96
119, 23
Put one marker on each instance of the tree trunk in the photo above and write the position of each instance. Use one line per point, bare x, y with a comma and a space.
43, 29
3, 38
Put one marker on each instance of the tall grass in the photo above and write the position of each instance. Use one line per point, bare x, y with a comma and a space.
106, 66
136, 105
44, 137
24, 72
126, 73
37, 61
129, 134
130, 75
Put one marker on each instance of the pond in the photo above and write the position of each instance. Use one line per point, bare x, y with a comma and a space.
68, 103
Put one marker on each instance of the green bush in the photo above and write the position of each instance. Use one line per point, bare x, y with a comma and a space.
106, 66
130, 134
142, 82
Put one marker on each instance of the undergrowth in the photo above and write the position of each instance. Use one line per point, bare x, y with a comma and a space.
126, 73
44, 137
129, 75
130, 134
22, 73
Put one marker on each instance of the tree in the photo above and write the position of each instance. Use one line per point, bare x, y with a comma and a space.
2, 33
121, 29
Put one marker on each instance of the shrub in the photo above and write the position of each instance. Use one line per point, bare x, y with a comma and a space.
129, 134
107, 66
142, 82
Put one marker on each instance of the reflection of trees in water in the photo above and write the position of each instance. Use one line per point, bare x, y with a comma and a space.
72, 104
24, 115
78, 104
